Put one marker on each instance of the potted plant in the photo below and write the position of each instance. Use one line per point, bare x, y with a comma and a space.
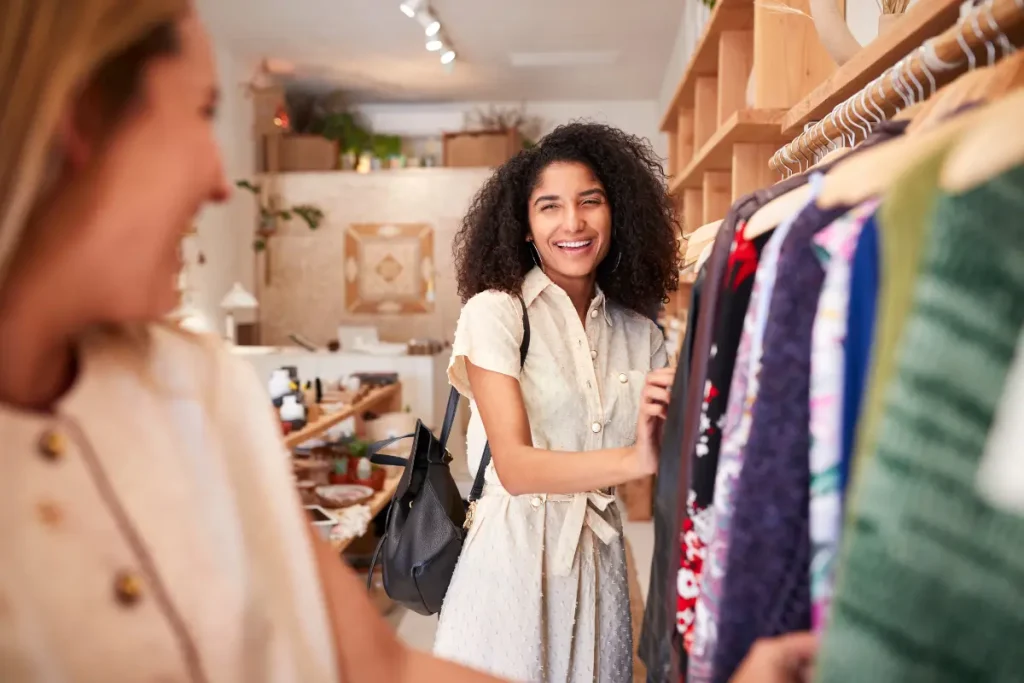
352, 138
270, 214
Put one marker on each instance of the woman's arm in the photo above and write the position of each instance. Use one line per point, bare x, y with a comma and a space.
524, 469
367, 648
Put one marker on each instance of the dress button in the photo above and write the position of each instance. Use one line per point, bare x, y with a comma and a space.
52, 445
623, 378
536, 502
593, 354
593, 313
127, 588
596, 427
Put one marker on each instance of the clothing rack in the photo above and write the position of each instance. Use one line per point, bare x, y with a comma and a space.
982, 36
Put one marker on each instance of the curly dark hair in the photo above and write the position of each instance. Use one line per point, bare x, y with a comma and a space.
490, 248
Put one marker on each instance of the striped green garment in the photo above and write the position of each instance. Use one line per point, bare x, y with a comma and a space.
931, 587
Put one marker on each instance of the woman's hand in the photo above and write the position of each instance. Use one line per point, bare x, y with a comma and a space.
786, 659
650, 424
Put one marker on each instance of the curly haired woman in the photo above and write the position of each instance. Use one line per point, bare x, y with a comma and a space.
580, 231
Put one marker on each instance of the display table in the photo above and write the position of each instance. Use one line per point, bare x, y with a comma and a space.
424, 379
383, 400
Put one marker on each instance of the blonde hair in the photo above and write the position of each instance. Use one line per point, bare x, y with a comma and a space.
48, 50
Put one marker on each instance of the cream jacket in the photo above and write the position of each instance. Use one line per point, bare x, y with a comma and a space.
150, 531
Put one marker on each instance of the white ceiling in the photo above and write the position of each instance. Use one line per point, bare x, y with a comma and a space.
375, 53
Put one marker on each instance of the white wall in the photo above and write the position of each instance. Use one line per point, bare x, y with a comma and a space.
225, 231
695, 16
639, 117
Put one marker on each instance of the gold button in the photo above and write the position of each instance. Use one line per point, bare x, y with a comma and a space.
623, 378
127, 588
596, 427
536, 502
52, 445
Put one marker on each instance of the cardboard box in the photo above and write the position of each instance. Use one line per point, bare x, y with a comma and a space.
481, 149
307, 153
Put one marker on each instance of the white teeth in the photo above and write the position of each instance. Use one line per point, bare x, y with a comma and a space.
574, 245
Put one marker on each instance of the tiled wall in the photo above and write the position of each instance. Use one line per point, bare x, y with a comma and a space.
306, 290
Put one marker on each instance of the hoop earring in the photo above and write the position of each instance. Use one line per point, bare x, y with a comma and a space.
618, 260
536, 255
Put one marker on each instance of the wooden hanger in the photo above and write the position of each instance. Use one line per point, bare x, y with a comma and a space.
699, 238
705, 254
769, 216
872, 171
996, 145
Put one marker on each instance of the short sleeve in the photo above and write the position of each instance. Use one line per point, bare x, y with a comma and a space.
659, 355
489, 333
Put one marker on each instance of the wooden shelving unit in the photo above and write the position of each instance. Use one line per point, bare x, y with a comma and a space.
744, 127
754, 61
922, 21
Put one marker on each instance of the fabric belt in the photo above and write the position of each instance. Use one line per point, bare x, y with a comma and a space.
584, 511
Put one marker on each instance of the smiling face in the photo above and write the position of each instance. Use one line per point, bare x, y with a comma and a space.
570, 221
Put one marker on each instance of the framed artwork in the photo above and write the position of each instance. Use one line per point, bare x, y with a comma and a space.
389, 268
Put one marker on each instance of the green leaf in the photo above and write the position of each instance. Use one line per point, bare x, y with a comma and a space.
259, 245
247, 185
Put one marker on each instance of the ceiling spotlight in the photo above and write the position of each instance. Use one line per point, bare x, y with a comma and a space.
432, 28
410, 7
448, 57
435, 44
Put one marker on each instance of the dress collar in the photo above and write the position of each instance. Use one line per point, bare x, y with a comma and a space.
537, 281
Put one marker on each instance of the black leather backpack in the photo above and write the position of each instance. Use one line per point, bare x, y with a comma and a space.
426, 523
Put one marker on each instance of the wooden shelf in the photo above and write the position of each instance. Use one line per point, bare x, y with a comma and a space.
753, 126
728, 15
922, 21
390, 394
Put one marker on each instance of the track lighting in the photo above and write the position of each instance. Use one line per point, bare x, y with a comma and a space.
428, 21
436, 41
411, 7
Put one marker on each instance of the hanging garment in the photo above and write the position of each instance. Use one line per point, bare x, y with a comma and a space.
860, 332
930, 585
739, 280
540, 592
737, 427
766, 586
1001, 473
658, 619
834, 247
910, 208
660, 646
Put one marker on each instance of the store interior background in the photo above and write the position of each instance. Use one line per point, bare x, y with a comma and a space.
631, 58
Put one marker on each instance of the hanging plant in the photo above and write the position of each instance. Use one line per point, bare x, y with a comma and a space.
269, 214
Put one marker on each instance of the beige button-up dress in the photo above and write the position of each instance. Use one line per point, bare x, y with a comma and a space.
150, 531
540, 591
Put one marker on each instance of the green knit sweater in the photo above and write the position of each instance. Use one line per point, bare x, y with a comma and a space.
931, 587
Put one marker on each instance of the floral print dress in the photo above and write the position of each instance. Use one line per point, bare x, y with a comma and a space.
696, 532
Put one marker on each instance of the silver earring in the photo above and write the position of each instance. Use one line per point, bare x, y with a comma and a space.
618, 260
536, 255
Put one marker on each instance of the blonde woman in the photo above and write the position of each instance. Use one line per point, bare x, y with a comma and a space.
149, 530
